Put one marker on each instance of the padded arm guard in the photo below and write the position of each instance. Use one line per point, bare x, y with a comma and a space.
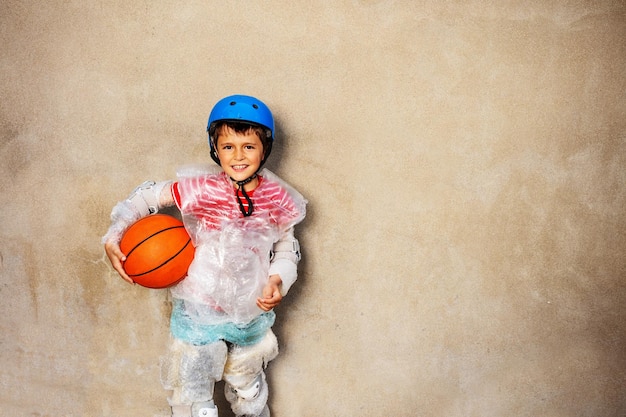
287, 248
284, 260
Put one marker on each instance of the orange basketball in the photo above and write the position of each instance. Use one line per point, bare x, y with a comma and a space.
158, 251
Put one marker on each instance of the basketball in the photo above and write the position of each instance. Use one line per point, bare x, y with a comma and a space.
158, 251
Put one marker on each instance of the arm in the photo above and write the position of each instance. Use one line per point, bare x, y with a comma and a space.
283, 271
146, 199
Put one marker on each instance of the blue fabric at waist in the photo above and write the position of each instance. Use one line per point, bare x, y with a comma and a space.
184, 328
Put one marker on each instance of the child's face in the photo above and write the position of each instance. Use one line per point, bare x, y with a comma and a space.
240, 154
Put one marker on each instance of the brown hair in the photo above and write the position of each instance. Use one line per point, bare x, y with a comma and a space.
241, 128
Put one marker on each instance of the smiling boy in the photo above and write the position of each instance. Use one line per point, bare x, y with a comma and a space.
241, 220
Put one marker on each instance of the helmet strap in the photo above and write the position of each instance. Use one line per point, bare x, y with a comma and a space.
245, 211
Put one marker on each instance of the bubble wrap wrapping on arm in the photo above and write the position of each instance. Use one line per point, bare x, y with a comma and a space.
232, 260
147, 198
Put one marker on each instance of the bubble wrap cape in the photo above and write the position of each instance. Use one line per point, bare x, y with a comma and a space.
232, 256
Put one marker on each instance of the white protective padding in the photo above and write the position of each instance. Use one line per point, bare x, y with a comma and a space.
287, 248
232, 258
244, 370
142, 201
204, 409
284, 260
191, 371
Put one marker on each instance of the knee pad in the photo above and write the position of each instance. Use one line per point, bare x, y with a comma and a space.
250, 391
249, 399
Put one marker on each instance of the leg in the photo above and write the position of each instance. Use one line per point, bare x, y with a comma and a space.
190, 372
246, 389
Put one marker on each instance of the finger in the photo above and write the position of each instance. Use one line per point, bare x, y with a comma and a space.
262, 305
118, 253
119, 267
276, 298
125, 276
268, 303
268, 292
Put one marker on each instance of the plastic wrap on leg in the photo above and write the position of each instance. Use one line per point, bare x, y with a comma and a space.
181, 411
190, 371
266, 412
246, 388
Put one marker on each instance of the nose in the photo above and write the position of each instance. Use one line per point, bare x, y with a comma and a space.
239, 155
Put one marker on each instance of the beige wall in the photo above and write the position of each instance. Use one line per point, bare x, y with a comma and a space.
464, 163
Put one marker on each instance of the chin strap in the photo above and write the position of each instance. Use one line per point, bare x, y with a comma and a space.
245, 211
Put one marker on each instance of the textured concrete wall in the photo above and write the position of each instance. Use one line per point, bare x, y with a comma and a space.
464, 162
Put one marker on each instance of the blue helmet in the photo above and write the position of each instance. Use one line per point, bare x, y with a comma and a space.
241, 109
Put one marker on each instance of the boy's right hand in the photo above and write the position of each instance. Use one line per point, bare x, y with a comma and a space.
117, 259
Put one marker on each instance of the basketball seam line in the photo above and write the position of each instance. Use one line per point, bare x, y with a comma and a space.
164, 263
150, 237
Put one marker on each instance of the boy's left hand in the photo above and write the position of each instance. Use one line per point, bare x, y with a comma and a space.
271, 294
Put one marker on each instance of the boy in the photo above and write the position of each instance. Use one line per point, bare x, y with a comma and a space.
241, 222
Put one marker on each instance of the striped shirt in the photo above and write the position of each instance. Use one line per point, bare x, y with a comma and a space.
212, 199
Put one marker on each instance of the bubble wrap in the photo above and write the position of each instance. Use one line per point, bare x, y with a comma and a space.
231, 263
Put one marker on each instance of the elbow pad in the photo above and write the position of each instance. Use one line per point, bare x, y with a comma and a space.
145, 198
289, 249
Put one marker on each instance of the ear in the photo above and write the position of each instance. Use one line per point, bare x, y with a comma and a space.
213, 153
